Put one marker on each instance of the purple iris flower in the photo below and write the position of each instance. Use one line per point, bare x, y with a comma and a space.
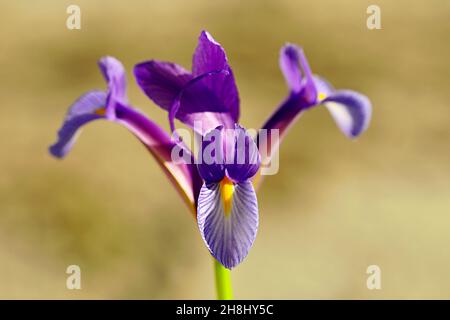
219, 190
350, 110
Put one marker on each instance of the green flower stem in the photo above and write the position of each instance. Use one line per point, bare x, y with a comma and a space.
223, 282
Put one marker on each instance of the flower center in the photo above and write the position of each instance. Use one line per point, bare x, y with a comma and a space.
101, 111
322, 96
226, 192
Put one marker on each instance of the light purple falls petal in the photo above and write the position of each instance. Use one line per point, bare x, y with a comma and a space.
228, 237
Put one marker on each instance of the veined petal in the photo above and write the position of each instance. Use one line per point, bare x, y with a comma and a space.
197, 102
209, 56
114, 74
161, 81
89, 107
351, 111
228, 222
244, 160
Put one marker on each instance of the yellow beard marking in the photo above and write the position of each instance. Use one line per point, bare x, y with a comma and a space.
226, 193
101, 111
322, 96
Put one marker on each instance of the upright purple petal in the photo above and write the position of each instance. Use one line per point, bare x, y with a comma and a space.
351, 111
244, 160
209, 56
89, 107
228, 229
303, 92
161, 81
296, 70
114, 74
197, 103
289, 65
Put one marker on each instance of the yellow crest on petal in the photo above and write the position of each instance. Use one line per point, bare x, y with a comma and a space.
101, 111
226, 193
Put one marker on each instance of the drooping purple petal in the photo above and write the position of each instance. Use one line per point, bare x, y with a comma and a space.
228, 235
89, 107
351, 111
114, 74
198, 104
244, 160
161, 81
211, 158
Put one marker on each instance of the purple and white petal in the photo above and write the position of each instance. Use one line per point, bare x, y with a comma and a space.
228, 236
351, 110
161, 81
89, 107
244, 160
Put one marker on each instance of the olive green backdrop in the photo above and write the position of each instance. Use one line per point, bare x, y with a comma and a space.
336, 206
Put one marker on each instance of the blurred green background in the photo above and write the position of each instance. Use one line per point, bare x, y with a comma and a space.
336, 206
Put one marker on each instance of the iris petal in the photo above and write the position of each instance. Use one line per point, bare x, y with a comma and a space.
351, 111
114, 74
89, 107
296, 70
245, 158
209, 56
211, 159
161, 81
198, 102
228, 236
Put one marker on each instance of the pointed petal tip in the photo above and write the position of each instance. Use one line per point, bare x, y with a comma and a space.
205, 34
